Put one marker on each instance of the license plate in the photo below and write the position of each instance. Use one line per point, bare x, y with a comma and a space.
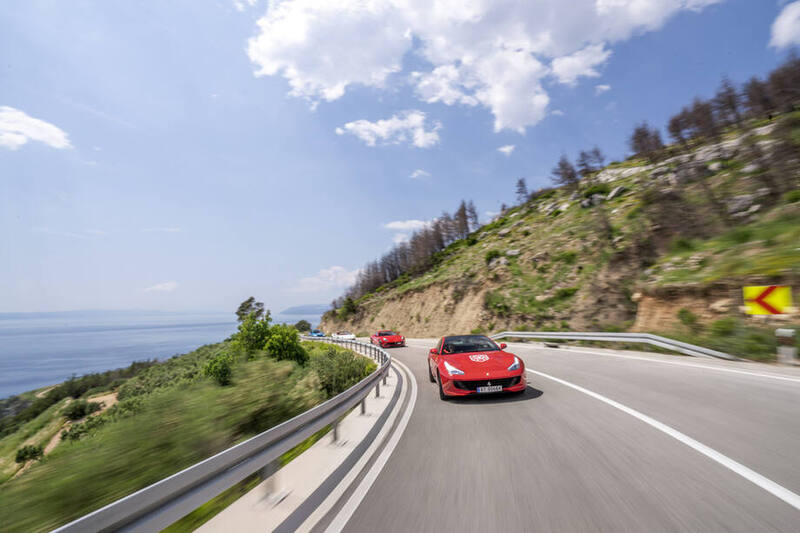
491, 388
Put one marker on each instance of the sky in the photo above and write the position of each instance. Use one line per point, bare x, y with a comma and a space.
185, 155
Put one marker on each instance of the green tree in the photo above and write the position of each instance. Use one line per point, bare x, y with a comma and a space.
302, 325
220, 368
253, 333
250, 307
349, 307
284, 344
28, 452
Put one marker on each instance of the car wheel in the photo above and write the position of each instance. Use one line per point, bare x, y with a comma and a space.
442, 395
430, 374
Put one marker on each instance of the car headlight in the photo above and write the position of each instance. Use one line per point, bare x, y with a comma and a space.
515, 364
383, 339
453, 371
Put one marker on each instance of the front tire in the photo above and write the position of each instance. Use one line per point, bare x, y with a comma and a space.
442, 395
430, 374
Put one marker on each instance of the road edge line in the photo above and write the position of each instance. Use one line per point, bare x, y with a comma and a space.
346, 512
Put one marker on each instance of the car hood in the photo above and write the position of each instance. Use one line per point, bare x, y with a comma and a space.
390, 338
479, 363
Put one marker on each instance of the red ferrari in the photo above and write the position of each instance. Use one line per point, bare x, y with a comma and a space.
386, 338
465, 365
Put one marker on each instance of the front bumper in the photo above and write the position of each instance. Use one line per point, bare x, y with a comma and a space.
389, 344
458, 386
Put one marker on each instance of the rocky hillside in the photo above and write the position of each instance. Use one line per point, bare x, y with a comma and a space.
628, 249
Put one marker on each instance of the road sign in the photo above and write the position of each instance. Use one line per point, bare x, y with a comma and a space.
767, 300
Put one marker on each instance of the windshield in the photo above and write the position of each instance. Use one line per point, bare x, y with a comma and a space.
386, 333
469, 343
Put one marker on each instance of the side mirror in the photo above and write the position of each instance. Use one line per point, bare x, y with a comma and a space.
503, 346
434, 352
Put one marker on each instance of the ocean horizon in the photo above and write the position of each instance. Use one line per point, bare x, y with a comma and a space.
45, 348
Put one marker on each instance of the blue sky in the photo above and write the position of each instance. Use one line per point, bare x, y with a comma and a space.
185, 155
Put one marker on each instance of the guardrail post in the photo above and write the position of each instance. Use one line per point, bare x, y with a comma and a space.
336, 431
385, 375
378, 390
364, 406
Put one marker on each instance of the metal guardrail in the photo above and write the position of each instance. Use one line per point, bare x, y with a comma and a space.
160, 504
646, 338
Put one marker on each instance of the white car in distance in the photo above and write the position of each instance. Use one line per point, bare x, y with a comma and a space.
343, 336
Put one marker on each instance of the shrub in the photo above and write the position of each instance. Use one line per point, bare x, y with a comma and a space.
80, 408
599, 188
303, 325
491, 254
349, 308
724, 327
28, 452
495, 302
567, 257
284, 344
687, 318
220, 368
682, 244
792, 196
338, 369
740, 235
564, 293
472, 240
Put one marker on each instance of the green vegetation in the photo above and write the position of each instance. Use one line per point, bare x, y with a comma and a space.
303, 326
29, 452
220, 368
80, 408
170, 415
24, 409
490, 255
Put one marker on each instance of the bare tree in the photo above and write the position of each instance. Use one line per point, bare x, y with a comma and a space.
472, 216
522, 191
598, 158
678, 126
784, 84
646, 142
702, 120
585, 166
565, 174
727, 103
757, 99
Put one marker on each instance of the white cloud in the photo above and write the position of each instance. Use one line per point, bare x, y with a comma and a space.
169, 229
557, 112
786, 28
507, 149
406, 225
404, 127
419, 173
167, 286
17, 128
328, 278
240, 5
400, 238
582, 63
493, 54
600, 89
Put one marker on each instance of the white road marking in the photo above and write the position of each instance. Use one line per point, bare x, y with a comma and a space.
680, 363
331, 499
356, 498
770, 486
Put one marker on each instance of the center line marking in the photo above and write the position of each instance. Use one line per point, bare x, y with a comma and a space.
767, 484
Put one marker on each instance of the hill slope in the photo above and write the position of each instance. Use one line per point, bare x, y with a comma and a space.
634, 244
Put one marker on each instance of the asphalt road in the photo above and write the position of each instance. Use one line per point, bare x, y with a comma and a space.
595, 449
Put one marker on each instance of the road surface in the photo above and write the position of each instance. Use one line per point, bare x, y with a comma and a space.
601, 441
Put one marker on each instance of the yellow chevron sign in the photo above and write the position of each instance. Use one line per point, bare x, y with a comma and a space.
767, 299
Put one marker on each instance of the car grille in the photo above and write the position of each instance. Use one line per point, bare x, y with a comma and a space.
474, 384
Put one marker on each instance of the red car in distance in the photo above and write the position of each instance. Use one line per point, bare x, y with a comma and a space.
465, 365
386, 338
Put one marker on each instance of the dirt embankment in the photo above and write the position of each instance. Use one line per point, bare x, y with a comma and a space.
658, 307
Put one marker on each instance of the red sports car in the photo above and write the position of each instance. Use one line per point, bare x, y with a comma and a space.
386, 338
464, 365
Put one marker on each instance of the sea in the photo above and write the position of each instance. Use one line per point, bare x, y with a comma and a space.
41, 349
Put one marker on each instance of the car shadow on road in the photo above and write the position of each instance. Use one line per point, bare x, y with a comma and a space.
506, 397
